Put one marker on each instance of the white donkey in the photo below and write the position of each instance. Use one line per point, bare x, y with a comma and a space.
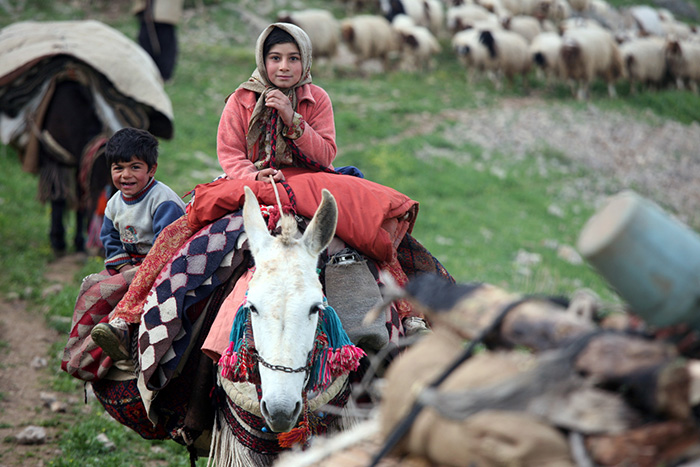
285, 296
285, 303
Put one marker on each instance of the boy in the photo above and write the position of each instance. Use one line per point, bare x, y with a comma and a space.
134, 217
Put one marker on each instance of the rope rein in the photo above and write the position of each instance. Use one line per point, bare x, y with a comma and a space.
277, 195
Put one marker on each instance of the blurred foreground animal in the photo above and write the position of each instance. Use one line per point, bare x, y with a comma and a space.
555, 382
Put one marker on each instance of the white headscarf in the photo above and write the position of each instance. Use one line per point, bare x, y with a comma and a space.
260, 84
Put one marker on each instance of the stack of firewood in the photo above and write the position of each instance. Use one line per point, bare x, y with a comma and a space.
508, 379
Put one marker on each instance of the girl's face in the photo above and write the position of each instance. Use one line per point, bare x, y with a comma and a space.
283, 64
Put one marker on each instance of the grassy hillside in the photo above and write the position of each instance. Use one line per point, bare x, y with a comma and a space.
396, 127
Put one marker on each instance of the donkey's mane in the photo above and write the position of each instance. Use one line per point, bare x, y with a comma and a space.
289, 231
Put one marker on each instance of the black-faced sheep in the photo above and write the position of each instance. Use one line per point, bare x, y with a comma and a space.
370, 37
321, 26
544, 50
471, 52
588, 53
417, 44
508, 52
683, 60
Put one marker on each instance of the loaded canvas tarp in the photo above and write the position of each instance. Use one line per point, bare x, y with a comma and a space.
123, 78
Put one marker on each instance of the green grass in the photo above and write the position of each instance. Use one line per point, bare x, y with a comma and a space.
476, 212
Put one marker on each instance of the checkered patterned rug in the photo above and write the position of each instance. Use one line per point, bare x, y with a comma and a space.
204, 263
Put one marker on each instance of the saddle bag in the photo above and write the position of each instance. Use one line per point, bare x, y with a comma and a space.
352, 290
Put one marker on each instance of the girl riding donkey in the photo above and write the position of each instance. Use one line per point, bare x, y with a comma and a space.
278, 119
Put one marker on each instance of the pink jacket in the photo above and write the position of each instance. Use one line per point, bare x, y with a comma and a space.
317, 141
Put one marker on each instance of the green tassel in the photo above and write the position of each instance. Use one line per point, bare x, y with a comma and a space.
239, 326
331, 325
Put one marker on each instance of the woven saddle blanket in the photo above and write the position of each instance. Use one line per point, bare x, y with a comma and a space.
198, 268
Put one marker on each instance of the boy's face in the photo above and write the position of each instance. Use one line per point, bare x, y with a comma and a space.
131, 177
283, 64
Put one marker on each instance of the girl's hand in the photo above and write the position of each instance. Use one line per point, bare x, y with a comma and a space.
265, 174
277, 100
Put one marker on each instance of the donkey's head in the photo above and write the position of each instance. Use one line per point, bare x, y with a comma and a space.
284, 297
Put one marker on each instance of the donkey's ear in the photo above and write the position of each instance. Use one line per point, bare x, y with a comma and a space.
255, 227
319, 233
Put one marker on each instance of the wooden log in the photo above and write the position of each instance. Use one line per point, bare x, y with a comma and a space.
647, 373
662, 443
536, 323
613, 355
694, 372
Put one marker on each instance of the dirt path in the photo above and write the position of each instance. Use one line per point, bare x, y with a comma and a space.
25, 373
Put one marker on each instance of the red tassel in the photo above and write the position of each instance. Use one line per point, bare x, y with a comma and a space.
227, 362
297, 435
345, 359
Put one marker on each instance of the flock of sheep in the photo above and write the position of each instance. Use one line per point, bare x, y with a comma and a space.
573, 41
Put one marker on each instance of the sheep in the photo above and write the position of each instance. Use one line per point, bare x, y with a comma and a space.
647, 20
464, 16
427, 13
580, 5
471, 52
674, 29
558, 10
577, 22
683, 60
606, 15
509, 54
494, 6
417, 44
526, 26
645, 61
544, 50
370, 37
587, 53
320, 25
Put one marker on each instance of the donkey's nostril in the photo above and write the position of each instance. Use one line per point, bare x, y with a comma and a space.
263, 409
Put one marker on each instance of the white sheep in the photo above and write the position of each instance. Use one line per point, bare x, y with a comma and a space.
464, 16
580, 5
544, 51
553, 11
320, 25
683, 60
508, 52
525, 25
674, 29
370, 37
427, 13
494, 6
417, 44
577, 22
644, 61
588, 53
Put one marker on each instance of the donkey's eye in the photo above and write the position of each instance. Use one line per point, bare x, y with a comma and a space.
315, 308
252, 309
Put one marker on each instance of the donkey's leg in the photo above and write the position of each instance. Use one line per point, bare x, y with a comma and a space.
79, 240
57, 233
